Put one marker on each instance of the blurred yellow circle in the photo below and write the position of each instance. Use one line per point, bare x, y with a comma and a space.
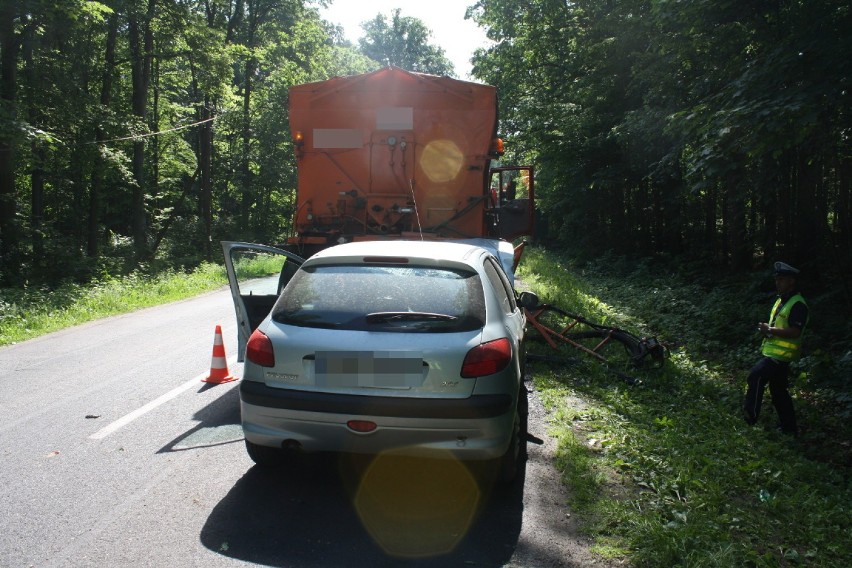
416, 506
441, 160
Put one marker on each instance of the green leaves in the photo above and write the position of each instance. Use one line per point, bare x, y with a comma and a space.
176, 134
669, 127
403, 42
664, 422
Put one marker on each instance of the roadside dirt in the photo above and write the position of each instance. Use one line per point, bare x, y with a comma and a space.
550, 534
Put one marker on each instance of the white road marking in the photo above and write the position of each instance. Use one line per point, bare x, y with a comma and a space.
130, 417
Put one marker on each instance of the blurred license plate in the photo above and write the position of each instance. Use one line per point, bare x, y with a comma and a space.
377, 369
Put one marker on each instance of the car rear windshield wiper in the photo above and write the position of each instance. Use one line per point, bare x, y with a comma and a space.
305, 320
381, 317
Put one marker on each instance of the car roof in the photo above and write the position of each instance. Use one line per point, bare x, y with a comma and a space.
416, 251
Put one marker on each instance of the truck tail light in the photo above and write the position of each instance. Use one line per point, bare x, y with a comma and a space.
259, 350
487, 359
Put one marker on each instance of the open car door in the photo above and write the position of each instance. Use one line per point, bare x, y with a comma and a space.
514, 211
256, 274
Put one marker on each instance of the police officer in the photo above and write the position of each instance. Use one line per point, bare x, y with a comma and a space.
782, 340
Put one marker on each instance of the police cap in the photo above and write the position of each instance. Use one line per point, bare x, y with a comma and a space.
784, 269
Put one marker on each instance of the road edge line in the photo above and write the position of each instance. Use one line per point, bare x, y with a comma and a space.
131, 416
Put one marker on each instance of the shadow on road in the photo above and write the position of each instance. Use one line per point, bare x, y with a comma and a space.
218, 423
345, 510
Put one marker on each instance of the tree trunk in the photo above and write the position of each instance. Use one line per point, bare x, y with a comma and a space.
8, 84
711, 216
807, 237
736, 233
843, 207
32, 81
786, 185
92, 248
141, 48
671, 216
205, 151
248, 196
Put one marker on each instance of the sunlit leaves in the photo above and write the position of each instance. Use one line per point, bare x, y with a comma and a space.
403, 42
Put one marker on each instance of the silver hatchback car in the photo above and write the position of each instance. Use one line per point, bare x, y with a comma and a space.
368, 347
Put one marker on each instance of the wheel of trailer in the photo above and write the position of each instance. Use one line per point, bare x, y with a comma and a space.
265, 456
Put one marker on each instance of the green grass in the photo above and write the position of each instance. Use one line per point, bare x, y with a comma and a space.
666, 473
253, 264
31, 312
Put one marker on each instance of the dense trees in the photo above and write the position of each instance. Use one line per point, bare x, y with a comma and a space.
136, 130
717, 130
403, 42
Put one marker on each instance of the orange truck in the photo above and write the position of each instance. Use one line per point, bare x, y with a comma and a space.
399, 155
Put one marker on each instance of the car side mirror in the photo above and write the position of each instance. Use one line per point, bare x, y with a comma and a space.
528, 300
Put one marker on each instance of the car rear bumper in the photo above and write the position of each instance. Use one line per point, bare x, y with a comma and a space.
475, 428
473, 407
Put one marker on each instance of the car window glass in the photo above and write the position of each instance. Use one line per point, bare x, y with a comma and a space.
342, 296
501, 286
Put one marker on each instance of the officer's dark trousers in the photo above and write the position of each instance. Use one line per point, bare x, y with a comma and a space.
775, 374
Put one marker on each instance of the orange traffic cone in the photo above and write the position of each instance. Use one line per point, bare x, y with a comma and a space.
219, 365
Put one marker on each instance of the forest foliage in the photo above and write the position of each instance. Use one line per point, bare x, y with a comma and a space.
137, 133
702, 137
403, 42
142, 131
715, 130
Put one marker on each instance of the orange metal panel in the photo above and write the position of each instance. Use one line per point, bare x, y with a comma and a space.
390, 152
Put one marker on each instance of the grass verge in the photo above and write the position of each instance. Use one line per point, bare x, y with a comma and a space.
666, 473
31, 312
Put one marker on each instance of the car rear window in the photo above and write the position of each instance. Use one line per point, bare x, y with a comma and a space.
383, 298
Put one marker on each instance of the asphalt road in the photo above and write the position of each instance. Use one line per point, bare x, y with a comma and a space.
114, 452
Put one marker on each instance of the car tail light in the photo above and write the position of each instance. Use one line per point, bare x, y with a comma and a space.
259, 350
487, 358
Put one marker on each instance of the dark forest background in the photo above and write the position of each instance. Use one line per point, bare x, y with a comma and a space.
141, 132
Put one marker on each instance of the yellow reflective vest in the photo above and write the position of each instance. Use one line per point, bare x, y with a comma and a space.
780, 348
